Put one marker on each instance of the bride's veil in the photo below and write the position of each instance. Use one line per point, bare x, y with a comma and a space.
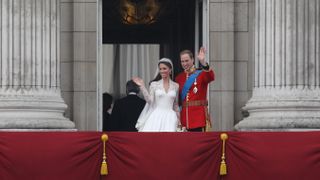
144, 115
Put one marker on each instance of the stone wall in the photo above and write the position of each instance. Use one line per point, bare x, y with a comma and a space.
231, 48
78, 61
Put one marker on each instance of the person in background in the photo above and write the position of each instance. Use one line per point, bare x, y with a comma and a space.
107, 104
126, 111
193, 85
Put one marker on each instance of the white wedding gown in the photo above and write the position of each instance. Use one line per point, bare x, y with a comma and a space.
161, 112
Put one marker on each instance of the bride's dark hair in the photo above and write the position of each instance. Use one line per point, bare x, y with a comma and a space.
158, 77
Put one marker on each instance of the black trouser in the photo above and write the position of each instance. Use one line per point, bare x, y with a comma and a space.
199, 129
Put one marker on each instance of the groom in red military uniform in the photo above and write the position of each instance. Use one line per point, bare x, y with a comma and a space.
193, 85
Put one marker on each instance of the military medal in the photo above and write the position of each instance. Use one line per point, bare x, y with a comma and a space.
195, 89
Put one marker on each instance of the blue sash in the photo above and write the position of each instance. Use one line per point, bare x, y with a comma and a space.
187, 85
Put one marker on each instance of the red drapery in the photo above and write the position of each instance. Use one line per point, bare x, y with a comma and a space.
163, 156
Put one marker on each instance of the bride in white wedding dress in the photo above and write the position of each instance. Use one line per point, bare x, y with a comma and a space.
161, 112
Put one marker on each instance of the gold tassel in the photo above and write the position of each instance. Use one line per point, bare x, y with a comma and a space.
104, 166
223, 168
223, 165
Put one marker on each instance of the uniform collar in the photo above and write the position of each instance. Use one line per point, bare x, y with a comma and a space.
191, 70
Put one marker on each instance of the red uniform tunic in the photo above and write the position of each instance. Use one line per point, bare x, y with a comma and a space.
195, 116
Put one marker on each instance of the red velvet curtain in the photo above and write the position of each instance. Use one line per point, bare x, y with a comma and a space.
163, 156
49, 155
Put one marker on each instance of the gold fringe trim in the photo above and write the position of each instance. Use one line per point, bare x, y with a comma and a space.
104, 166
223, 165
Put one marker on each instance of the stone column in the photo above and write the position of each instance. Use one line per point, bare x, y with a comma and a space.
30, 66
286, 93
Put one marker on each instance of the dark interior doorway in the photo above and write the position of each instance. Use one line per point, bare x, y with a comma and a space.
173, 26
